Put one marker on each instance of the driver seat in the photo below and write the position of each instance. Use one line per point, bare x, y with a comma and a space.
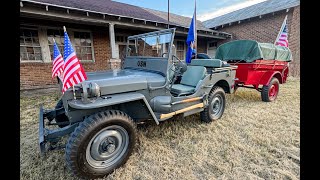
189, 81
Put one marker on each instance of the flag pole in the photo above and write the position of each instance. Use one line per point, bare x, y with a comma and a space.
54, 41
74, 92
168, 13
195, 19
195, 27
281, 29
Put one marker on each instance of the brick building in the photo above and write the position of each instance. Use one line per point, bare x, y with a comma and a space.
98, 30
262, 22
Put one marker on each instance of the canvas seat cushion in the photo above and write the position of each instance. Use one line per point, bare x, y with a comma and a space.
182, 89
193, 75
189, 80
214, 63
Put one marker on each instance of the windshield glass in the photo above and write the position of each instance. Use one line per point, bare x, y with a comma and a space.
150, 45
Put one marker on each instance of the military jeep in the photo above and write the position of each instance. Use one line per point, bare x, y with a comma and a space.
100, 114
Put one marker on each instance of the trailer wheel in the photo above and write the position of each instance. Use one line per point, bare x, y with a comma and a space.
217, 103
61, 117
270, 92
101, 143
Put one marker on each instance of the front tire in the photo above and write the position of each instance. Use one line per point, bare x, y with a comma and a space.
216, 105
270, 92
100, 144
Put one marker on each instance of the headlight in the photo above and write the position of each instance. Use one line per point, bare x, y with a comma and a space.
90, 90
93, 90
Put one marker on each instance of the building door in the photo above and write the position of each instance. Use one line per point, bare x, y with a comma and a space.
122, 52
180, 49
212, 48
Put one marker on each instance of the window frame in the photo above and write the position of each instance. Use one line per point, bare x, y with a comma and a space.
44, 45
41, 51
55, 28
91, 38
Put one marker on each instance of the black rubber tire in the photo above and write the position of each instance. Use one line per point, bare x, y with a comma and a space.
61, 117
78, 141
206, 115
265, 90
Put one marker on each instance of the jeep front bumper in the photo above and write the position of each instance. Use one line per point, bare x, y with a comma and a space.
51, 136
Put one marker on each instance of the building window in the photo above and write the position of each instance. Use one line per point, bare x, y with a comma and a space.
121, 38
58, 36
212, 44
180, 52
35, 41
30, 49
83, 45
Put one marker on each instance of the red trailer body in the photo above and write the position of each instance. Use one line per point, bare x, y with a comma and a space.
262, 66
260, 73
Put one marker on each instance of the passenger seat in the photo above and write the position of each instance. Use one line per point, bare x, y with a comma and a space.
189, 81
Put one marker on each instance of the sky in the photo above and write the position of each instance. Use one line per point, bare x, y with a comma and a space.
206, 9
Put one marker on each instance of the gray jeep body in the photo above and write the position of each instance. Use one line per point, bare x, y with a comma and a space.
141, 89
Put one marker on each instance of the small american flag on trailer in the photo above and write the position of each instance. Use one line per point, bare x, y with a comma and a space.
73, 70
57, 68
283, 37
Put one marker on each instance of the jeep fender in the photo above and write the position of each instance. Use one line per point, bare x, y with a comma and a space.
113, 100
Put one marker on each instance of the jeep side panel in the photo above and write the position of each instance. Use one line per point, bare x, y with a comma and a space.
133, 103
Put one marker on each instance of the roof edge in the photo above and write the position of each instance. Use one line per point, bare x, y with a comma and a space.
122, 16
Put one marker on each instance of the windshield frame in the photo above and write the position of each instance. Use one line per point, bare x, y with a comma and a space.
135, 38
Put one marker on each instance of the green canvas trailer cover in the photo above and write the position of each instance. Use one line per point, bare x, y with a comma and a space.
249, 50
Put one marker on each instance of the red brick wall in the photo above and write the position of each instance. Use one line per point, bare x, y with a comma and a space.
38, 75
294, 41
266, 29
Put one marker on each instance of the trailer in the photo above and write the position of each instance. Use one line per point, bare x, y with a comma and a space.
261, 66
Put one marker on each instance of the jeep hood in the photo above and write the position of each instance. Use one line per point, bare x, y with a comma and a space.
118, 81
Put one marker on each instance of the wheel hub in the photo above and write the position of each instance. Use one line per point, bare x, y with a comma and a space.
273, 91
107, 146
215, 105
111, 148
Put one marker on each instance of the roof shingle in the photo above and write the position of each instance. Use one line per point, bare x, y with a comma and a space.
262, 8
122, 9
107, 7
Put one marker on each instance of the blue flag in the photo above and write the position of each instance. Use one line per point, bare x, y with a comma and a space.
190, 40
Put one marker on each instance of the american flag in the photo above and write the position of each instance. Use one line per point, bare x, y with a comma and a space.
73, 70
57, 62
282, 39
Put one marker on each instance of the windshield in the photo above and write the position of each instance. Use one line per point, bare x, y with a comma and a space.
150, 45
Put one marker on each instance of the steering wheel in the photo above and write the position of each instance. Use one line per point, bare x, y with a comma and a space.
173, 68
174, 56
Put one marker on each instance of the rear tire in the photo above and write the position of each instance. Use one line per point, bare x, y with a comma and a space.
216, 105
270, 92
101, 143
